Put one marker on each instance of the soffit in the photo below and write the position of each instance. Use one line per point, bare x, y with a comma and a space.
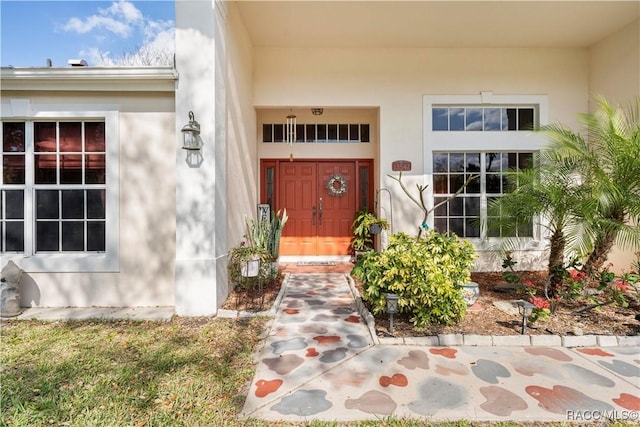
447, 24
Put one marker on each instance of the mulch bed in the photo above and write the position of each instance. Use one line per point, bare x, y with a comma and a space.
483, 318
251, 300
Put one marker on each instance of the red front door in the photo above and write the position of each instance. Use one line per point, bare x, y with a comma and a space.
320, 217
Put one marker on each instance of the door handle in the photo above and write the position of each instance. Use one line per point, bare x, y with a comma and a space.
313, 215
320, 213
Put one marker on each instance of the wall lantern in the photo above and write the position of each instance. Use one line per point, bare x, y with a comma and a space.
525, 308
191, 134
392, 308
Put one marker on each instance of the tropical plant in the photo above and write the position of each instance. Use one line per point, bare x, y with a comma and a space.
425, 273
606, 160
545, 190
361, 229
278, 221
586, 190
266, 234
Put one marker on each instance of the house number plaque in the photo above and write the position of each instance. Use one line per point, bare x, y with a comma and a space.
401, 166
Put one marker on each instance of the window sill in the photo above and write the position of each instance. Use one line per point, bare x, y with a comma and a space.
64, 263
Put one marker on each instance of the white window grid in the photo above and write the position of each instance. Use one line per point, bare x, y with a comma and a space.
499, 141
312, 132
473, 118
469, 210
107, 260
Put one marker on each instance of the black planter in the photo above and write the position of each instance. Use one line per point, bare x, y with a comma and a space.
375, 229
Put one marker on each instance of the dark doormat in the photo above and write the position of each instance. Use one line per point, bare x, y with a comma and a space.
305, 263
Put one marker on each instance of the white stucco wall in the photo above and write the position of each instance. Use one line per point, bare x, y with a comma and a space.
395, 81
200, 176
242, 157
614, 65
146, 209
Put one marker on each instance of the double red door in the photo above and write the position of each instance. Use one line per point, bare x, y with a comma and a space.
320, 198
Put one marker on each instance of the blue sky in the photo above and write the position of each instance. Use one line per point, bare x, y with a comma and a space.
98, 31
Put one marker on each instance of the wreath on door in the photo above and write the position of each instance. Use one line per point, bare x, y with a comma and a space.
337, 185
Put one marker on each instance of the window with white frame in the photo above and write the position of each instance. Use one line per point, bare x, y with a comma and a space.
54, 204
482, 136
487, 178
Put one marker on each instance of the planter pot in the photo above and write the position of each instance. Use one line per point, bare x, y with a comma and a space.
470, 293
251, 268
375, 229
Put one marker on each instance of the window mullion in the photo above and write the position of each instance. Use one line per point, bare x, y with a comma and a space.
483, 196
29, 191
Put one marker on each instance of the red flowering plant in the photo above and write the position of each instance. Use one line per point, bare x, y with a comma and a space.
573, 286
541, 308
618, 290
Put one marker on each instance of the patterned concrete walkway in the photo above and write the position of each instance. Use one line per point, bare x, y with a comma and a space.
320, 362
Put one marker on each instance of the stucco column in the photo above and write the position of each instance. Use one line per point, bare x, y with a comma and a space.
200, 269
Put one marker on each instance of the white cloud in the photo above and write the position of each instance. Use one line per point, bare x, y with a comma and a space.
123, 19
164, 40
94, 22
124, 9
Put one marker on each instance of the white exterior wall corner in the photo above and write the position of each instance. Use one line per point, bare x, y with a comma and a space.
614, 65
242, 147
200, 194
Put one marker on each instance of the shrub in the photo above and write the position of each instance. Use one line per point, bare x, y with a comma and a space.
423, 272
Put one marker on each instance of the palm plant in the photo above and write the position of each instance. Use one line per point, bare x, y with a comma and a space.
587, 189
545, 190
606, 162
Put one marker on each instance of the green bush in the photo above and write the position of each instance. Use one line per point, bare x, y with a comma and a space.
423, 272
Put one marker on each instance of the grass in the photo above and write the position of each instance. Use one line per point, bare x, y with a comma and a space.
187, 372
122, 373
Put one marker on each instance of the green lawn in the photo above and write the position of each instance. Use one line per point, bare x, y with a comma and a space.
187, 372
121, 373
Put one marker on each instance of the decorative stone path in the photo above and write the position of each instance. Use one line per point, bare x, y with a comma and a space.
320, 362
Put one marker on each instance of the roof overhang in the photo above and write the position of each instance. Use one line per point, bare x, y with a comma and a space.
128, 79
434, 24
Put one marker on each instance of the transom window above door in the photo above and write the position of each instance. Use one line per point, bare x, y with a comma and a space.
318, 133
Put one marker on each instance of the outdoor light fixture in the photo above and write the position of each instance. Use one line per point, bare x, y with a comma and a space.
392, 308
317, 111
525, 308
290, 137
191, 134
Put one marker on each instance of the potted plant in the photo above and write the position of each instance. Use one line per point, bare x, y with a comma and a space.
266, 235
246, 261
365, 225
